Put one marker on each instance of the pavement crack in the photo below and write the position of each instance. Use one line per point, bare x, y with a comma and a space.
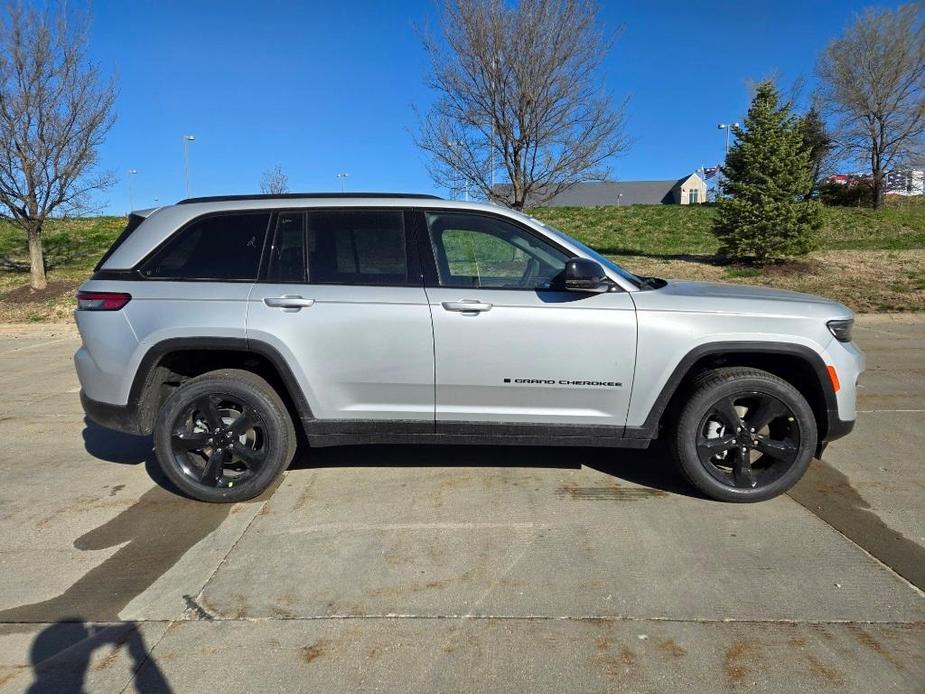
198, 600
559, 618
193, 608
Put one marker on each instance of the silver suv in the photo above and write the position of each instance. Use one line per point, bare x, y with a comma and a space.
227, 326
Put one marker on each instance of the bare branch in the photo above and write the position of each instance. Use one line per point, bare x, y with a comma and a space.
274, 181
55, 111
873, 88
519, 99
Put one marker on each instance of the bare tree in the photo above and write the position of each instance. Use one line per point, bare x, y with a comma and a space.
274, 181
54, 113
519, 94
818, 142
873, 82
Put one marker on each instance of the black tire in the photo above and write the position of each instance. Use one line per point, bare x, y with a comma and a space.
715, 448
224, 436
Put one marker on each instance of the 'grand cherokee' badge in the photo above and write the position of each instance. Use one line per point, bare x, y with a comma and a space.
562, 382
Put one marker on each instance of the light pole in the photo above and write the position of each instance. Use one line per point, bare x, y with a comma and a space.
131, 198
343, 178
465, 181
491, 149
727, 127
186, 140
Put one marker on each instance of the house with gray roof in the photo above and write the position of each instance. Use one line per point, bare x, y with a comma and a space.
689, 190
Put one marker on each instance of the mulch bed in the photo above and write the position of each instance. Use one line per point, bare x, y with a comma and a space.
28, 295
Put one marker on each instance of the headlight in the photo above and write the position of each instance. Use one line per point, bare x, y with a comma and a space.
841, 329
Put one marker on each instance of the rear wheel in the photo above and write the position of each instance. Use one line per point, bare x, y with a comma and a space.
224, 436
744, 435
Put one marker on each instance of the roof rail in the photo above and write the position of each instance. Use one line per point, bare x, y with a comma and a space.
296, 196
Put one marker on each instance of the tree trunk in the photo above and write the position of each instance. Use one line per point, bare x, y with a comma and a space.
877, 179
37, 259
518, 197
877, 190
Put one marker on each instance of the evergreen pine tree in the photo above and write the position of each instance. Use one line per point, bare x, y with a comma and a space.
818, 141
765, 215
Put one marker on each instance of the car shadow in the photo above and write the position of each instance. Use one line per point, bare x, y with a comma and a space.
115, 446
125, 449
651, 467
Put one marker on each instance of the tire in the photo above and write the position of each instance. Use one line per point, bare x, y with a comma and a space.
224, 436
714, 446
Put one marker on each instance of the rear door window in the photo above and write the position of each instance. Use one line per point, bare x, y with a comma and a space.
287, 256
360, 247
217, 247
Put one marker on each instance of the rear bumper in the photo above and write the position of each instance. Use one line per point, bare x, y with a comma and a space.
122, 418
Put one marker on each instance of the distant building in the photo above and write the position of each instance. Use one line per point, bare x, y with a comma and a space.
690, 190
909, 181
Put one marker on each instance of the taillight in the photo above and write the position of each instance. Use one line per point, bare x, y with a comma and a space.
102, 301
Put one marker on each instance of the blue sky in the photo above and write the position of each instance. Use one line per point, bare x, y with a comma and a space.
328, 87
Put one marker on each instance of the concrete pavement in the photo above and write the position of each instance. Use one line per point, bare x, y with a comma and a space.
458, 569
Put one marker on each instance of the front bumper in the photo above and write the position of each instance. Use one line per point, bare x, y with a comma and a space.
837, 428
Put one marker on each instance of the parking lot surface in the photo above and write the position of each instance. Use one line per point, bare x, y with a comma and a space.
458, 568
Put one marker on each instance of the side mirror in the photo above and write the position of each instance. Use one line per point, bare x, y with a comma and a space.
583, 275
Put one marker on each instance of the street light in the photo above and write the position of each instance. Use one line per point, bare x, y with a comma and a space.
131, 198
465, 181
727, 127
343, 178
186, 140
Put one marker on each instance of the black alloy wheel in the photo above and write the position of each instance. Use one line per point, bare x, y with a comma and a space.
224, 436
219, 441
744, 434
748, 440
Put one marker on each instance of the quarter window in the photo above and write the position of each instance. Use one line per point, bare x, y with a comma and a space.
487, 252
218, 247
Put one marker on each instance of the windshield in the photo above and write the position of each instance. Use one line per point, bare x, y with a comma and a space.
594, 255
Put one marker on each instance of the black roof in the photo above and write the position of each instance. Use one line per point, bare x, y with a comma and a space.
295, 196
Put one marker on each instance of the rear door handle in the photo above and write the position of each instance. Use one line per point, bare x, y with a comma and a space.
467, 306
291, 302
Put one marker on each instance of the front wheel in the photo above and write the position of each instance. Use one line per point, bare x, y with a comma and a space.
744, 435
224, 436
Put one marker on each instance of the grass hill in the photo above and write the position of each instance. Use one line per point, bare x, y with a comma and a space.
872, 260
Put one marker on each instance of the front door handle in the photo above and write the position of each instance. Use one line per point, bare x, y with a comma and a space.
467, 306
290, 302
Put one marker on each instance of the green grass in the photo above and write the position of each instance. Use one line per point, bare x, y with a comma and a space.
678, 231
873, 258
71, 246
75, 245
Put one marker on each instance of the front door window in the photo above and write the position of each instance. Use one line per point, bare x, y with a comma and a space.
481, 251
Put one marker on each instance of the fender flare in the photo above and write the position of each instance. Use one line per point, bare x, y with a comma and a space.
649, 428
143, 405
